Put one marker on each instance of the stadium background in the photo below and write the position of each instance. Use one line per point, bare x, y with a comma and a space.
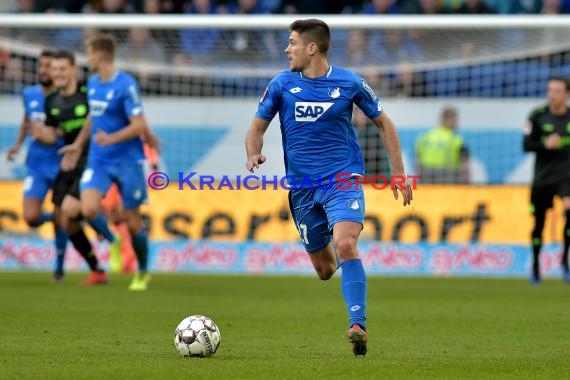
201, 86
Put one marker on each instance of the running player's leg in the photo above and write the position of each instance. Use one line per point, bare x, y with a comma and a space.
139, 240
94, 182
36, 186
71, 208
58, 192
541, 201
311, 222
564, 192
345, 212
111, 206
99, 223
131, 181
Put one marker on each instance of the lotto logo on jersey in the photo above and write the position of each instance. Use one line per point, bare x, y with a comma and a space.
310, 111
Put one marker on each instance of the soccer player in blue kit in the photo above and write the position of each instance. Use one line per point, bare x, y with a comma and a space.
315, 103
43, 160
114, 126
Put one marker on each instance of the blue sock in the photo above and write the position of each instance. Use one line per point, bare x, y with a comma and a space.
100, 225
60, 247
140, 246
354, 291
45, 217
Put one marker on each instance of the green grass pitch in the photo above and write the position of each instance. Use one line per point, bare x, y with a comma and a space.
283, 328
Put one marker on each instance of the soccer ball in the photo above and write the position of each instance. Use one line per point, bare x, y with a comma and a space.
197, 335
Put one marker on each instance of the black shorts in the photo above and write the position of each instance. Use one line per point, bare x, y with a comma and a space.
66, 183
542, 196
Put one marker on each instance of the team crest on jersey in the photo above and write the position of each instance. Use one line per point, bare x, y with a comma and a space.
34, 104
335, 93
110, 95
310, 111
98, 107
91, 91
295, 90
353, 204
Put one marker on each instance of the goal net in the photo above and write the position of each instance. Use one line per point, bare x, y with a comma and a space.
202, 75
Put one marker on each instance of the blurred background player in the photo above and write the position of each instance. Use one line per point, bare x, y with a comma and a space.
112, 207
42, 162
116, 150
441, 154
66, 114
319, 143
547, 133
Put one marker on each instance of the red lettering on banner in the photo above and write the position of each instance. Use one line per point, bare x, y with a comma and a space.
478, 259
258, 259
43, 255
549, 261
392, 257
172, 259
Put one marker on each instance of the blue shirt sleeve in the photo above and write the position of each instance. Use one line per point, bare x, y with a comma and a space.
366, 99
132, 103
270, 101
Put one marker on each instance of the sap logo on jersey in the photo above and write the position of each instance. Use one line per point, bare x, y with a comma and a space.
98, 107
310, 111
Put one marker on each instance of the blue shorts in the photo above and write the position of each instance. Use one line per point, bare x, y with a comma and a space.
316, 210
38, 181
128, 176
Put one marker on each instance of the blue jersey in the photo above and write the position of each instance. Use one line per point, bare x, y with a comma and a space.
39, 155
111, 105
316, 121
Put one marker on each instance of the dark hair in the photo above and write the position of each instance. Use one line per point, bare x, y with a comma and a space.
46, 54
560, 78
313, 30
104, 43
65, 54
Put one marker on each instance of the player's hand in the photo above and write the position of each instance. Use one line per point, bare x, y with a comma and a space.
552, 141
153, 141
69, 148
102, 138
70, 157
13, 151
254, 162
406, 190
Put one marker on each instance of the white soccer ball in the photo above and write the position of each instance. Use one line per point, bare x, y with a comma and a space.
197, 335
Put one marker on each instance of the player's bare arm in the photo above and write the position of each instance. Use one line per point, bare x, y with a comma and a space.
22, 132
254, 144
44, 134
392, 144
150, 138
72, 152
136, 127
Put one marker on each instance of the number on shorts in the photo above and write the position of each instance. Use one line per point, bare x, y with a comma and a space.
87, 175
303, 232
